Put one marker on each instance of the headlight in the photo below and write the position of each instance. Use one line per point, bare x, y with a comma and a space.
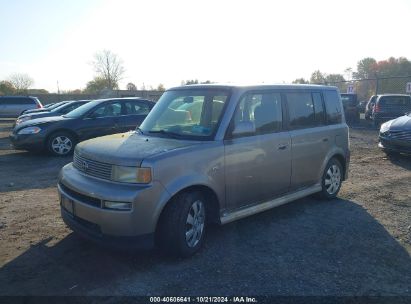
385, 127
131, 175
23, 119
29, 130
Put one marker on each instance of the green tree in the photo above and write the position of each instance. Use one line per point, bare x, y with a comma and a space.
7, 88
191, 81
301, 81
161, 87
97, 85
334, 78
317, 77
109, 67
131, 87
366, 68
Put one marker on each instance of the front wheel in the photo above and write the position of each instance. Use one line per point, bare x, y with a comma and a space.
331, 180
182, 225
61, 144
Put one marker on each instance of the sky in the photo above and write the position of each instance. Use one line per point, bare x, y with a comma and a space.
223, 41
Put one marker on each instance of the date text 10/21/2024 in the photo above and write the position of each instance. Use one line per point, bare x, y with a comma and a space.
203, 300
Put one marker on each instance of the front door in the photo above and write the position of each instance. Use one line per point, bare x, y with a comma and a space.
103, 120
257, 165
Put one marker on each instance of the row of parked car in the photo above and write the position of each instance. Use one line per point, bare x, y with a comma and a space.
379, 108
59, 127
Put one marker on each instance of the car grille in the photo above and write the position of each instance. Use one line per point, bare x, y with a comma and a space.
401, 135
92, 201
92, 167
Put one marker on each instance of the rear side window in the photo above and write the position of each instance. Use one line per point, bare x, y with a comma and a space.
301, 110
134, 107
262, 109
333, 107
395, 101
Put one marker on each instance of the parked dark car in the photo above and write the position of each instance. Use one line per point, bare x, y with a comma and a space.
45, 108
60, 134
390, 106
56, 111
395, 135
351, 109
370, 106
13, 106
361, 106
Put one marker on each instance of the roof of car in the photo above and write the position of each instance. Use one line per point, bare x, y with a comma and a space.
255, 86
121, 98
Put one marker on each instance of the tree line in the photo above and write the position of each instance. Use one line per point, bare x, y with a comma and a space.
370, 77
109, 71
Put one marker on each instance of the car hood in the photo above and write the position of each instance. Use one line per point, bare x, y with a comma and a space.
39, 121
128, 149
39, 114
401, 123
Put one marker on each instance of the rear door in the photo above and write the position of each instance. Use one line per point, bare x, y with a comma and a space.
258, 165
310, 137
102, 120
134, 112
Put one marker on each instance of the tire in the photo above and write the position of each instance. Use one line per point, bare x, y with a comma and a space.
183, 224
331, 180
61, 144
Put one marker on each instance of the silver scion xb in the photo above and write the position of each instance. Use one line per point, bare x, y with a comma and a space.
206, 154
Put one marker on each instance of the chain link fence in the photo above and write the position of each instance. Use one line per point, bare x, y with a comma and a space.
365, 88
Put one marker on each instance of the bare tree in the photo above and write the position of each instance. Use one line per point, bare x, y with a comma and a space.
109, 67
21, 82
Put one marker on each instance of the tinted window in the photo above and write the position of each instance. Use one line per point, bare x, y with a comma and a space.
301, 110
264, 110
333, 107
134, 107
395, 100
318, 109
17, 101
107, 110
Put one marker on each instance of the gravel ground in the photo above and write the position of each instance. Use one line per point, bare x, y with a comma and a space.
359, 244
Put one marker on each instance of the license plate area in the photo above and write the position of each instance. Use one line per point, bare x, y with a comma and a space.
67, 204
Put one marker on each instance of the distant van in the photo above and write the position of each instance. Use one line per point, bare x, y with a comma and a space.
14, 106
206, 154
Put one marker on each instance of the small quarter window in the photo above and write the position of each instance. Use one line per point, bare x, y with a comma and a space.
333, 107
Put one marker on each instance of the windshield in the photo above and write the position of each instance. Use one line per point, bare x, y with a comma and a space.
81, 110
191, 114
56, 105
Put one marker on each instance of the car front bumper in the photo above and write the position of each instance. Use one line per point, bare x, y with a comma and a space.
401, 146
88, 217
28, 141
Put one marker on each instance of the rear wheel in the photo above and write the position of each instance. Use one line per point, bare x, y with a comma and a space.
182, 225
61, 143
331, 180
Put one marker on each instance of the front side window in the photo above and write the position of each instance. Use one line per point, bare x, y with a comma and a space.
262, 109
186, 113
107, 110
301, 110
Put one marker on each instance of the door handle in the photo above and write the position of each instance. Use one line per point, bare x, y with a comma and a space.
325, 139
282, 147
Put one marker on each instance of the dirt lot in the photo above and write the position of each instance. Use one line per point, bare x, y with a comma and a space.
359, 244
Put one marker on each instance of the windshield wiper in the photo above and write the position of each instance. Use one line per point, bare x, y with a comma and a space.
164, 132
139, 130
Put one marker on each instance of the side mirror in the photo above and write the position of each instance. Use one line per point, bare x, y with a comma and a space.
243, 128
